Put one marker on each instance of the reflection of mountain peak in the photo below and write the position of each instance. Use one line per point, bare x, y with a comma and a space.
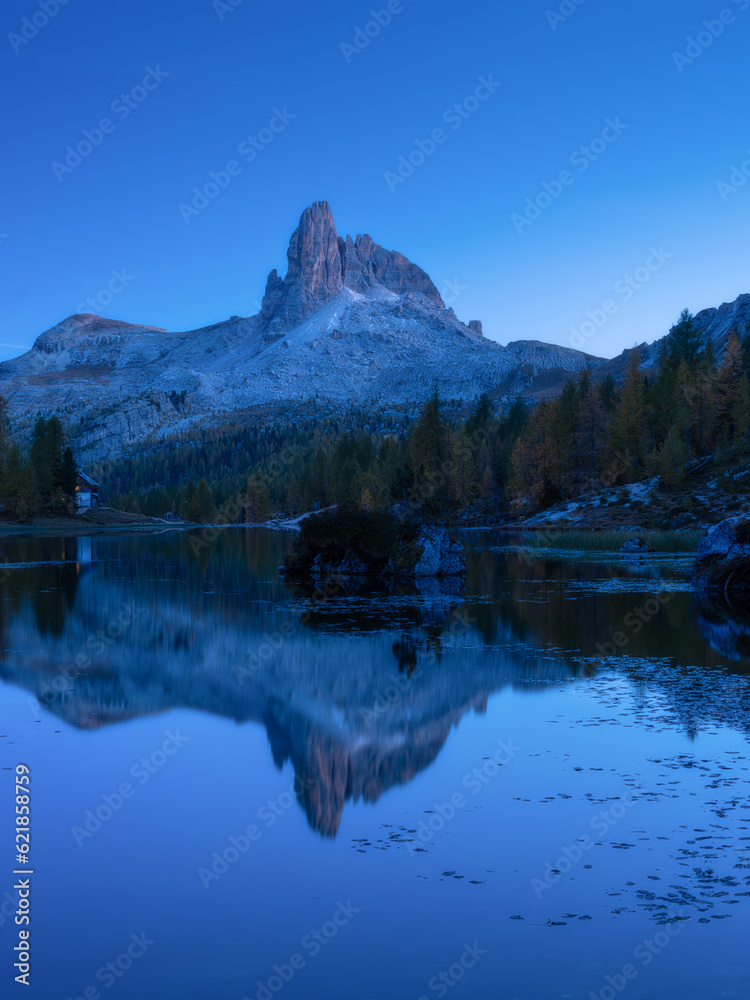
329, 771
350, 733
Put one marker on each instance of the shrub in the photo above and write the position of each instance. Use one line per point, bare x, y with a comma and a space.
371, 536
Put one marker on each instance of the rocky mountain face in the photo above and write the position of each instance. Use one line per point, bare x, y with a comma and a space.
321, 264
351, 322
716, 324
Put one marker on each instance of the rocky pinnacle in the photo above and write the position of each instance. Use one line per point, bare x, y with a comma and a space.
321, 264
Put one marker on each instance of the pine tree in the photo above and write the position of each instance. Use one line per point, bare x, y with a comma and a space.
321, 478
10, 484
534, 465
186, 508
727, 388
429, 456
685, 342
741, 415
592, 438
672, 458
608, 393
203, 506
29, 497
46, 456
257, 500
630, 412
69, 474
3, 437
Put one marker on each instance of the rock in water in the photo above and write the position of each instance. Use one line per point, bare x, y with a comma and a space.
636, 546
358, 543
722, 565
441, 555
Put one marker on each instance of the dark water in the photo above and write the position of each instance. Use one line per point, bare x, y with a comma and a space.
265, 791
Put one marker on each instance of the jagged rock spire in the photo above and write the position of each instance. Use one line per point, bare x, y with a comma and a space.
320, 264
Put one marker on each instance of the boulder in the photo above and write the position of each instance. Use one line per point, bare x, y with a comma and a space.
722, 564
441, 555
636, 546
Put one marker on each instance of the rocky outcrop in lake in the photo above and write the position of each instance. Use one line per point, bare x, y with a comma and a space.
722, 564
349, 543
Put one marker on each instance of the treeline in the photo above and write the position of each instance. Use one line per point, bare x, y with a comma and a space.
597, 435
43, 481
250, 473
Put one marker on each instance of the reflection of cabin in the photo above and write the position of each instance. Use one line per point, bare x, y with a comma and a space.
87, 491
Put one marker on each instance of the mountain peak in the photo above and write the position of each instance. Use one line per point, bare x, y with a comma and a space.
321, 264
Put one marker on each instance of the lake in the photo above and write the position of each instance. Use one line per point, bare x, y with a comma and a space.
533, 787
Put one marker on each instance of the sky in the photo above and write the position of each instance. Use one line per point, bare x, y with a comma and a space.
537, 159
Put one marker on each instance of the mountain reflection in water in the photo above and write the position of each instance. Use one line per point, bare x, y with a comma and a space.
359, 690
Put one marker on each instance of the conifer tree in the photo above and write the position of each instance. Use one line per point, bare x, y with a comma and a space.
685, 342
257, 500
203, 506
727, 388
28, 495
68, 474
10, 485
630, 411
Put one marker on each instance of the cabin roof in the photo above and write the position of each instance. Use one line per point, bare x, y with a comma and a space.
87, 479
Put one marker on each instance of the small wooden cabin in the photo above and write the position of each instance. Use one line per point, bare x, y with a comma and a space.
87, 491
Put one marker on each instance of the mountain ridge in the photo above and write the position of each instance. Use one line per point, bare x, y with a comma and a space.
351, 322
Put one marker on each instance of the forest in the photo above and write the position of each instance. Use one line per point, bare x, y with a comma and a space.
502, 461
42, 481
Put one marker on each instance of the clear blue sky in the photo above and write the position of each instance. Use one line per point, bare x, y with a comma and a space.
355, 113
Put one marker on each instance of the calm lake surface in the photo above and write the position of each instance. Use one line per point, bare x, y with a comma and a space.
371, 795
